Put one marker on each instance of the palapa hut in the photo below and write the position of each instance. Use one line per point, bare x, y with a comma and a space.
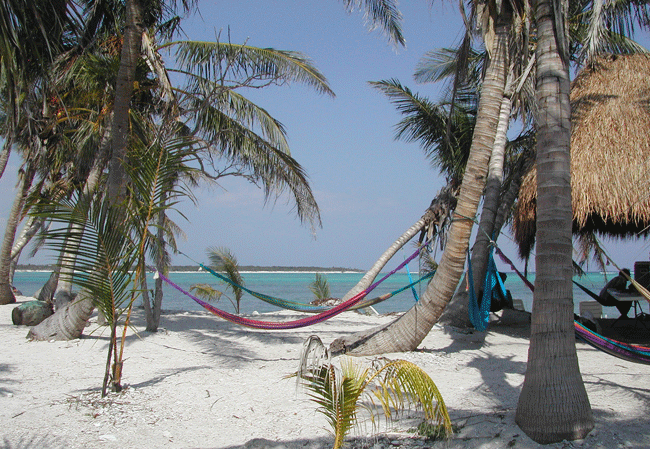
610, 153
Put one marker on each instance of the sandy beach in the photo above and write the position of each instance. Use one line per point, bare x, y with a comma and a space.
201, 382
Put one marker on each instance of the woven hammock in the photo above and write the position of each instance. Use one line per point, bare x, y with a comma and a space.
626, 351
302, 322
479, 315
310, 308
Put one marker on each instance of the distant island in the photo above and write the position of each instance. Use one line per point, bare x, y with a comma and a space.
242, 268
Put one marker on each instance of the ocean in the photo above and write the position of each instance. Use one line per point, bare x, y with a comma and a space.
294, 286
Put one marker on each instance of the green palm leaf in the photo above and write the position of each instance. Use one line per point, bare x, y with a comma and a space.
218, 61
394, 385
445, 138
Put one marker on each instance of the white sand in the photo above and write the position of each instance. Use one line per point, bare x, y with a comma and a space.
204, 383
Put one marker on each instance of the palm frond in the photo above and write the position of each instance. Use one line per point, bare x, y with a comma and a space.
401, 383
394, 385
92, 237
320, 288
446, 143
206, 291
224, 261
231, 64
382, 14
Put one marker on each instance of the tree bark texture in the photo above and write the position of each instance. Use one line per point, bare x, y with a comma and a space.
131, 46
408, 331
67, 323
6, 293
372, 273
553, 405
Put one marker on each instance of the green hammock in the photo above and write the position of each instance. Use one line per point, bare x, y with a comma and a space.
310, 308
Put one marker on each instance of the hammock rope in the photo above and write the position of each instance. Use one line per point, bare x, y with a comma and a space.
415, 293
302, 322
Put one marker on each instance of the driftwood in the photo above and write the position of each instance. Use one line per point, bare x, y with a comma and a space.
67, 323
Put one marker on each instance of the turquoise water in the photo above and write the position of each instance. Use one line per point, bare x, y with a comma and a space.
295, 287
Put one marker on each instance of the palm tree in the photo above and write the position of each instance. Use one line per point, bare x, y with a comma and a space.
553, 404
216, 123
407, 332
320, 288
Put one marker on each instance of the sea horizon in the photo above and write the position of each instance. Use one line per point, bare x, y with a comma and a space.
294, 286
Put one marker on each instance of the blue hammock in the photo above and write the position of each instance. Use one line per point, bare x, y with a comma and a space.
479, 314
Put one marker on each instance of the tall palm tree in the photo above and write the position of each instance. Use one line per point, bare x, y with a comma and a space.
218, 124
553, 404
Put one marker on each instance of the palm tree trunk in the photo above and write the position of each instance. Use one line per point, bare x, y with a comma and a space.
153, 306
372, 273
26, 234
408, 331
67, 324
457, 312
6, 152
553, 405
486, 231
131, 47
6, 293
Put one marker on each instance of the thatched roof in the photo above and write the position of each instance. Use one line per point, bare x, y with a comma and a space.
610, 152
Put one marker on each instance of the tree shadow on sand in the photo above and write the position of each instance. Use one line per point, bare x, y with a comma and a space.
5, 368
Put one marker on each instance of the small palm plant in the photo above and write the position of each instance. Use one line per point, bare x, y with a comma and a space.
223, 261
389, 386
320, 288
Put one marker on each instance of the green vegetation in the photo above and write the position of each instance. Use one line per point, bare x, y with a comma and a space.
320, 288
223, 261
383, 389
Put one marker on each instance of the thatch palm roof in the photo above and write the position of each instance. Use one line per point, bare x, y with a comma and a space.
610, 153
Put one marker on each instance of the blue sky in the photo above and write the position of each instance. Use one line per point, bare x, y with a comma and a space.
370, 188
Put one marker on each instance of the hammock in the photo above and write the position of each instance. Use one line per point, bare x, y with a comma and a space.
512, 265
587, 291
479, 315
415, 293
302, 322
310, 308
625, 351
630, 352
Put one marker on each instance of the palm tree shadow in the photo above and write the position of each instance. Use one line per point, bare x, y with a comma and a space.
5, 368
232, 345
494, 369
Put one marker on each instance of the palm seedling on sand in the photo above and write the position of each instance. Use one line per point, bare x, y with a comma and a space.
223, 261
389, 386
320, 288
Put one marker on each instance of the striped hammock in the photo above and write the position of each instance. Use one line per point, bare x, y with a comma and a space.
626, 351
310, 308
302, 322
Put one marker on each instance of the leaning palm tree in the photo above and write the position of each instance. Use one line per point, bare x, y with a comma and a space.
444, 132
